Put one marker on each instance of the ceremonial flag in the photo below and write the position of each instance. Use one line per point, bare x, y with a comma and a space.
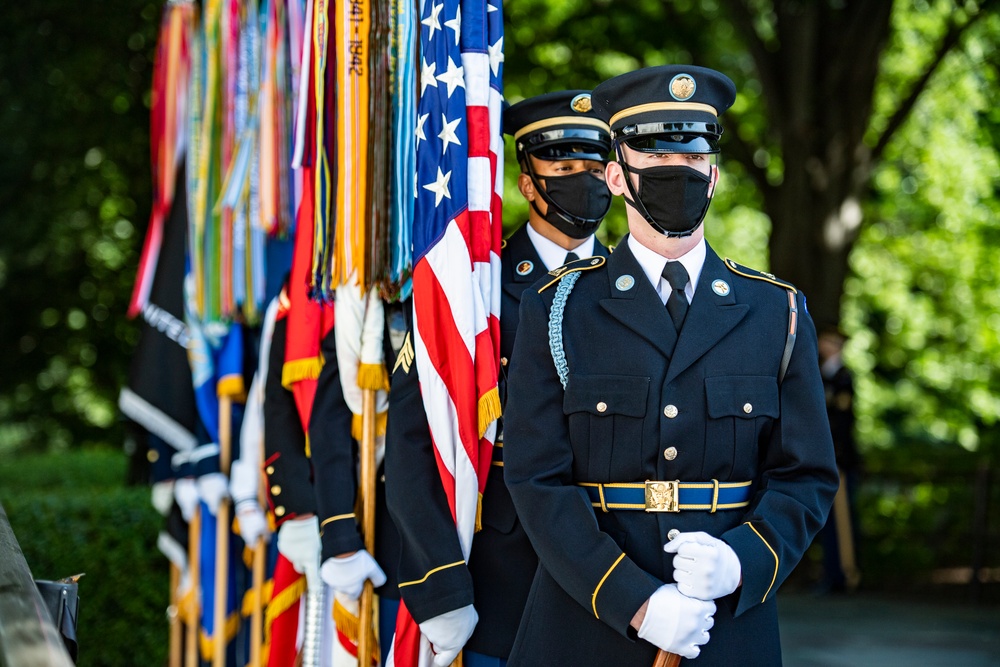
167, 137
456, 258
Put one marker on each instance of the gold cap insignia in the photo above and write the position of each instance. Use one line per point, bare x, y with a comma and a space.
581, 103
682, 87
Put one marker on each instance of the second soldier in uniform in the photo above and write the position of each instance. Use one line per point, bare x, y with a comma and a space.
562, 148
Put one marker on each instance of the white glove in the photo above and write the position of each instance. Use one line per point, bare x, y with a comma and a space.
705, 567
298, 541
253, 523
676, 623
162, 496
348, 575
186, 495
448, 633
213, 488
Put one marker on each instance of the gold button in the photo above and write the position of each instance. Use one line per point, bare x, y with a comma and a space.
503, 361
275, 490
279, 511
670, 411
152, 456
602, 406
670, 453
672, 535
270, 470
747, 408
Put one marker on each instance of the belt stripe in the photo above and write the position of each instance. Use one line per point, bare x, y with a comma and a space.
706, 496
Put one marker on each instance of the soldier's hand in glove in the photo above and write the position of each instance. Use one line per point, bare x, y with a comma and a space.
676, 623
298, 541
448, 633
348, 575
186, 495
705, 567
212, 488
252, 523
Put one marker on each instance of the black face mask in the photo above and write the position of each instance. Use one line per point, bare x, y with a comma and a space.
673, 198
577, 203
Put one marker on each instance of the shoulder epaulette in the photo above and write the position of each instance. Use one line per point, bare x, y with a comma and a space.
747, 272
582, 264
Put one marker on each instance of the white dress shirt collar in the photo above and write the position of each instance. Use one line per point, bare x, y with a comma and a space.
552, 254
652, 265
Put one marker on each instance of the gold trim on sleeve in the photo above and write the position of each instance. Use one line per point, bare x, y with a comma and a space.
593, 598
426, 576
775, 577
338, 517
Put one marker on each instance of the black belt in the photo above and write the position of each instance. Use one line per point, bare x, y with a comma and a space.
669, 496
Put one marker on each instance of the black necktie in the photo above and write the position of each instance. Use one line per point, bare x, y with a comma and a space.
571, 257
677, 303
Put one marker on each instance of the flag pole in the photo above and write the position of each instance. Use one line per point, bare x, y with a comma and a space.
222, 538
366, 606
194, 609
172, 617
257, 611
664, 659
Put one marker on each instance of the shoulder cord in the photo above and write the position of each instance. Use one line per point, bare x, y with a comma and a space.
555, 325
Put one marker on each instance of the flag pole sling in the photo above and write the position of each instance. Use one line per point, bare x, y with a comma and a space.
222, 538
366, 607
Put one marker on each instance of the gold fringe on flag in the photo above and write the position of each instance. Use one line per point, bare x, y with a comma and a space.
347, 625
281, 603
380, 422
300, 369
373, 376
250, 597
207, 644
232, 386
489, 409
479, 513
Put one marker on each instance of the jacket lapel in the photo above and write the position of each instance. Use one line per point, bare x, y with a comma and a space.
525, 264
634, 302
710, 318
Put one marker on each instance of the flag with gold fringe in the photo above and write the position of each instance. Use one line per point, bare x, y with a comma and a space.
456, 259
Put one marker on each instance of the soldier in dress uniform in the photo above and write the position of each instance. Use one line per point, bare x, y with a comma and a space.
562, 148
666, 440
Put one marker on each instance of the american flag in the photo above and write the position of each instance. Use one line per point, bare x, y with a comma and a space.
456, 256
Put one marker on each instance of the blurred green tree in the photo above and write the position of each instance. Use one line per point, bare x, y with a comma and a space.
74, 193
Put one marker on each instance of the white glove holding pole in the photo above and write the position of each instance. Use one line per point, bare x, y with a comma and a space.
162, 496
252, 523
348, 575
705, 567
676, 623
186, 495
448, 633
298, 541
213, 488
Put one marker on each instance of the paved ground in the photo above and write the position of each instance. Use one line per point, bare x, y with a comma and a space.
865, 630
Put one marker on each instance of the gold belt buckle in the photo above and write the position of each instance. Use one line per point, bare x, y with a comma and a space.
662, 496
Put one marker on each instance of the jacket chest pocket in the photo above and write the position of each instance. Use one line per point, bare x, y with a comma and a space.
740, 409
605, 414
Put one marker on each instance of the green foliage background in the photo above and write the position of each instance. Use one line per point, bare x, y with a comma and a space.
921, 304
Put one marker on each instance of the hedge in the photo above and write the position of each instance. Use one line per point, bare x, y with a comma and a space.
71, 513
